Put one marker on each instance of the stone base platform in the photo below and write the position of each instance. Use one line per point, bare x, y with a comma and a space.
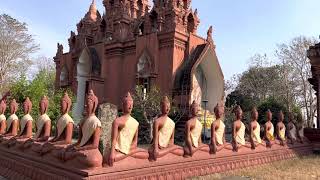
20, 165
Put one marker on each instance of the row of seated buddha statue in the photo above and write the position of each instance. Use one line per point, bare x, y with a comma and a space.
124, 135
17, 134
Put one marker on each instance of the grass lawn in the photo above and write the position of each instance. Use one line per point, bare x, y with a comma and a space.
306, 167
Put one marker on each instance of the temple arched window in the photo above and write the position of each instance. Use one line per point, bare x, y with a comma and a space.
144, 68
154, 21
141, 29
64, 76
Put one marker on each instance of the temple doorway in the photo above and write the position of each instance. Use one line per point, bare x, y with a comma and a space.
83, 73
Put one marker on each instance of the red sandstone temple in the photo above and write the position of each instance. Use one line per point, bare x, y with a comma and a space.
133, 44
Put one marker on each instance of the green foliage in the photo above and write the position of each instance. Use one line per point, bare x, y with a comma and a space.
275, 107
146, 108
42, 84
237, 98
146, 104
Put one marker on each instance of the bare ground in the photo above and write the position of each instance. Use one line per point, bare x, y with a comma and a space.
307, 167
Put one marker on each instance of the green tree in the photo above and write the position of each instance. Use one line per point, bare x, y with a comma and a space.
42, 84
16, 46
275, 107
296, 71
146, 108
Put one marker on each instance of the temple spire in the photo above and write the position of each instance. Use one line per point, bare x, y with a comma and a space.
92, 13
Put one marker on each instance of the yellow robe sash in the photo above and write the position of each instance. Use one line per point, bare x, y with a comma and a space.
220, 133
88, 128
12, 117
23, 122
62, 123
282, 133
40, 123
240, 135
196, 133
270, 133
126, 136
2, 118
256, 134
166, 132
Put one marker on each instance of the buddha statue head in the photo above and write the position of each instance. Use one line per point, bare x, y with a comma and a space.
3, 106
238, 112
13, 106
194, 109
165, 105
291, 117
43, 105
219, 110
127, 104
65, 104
254, 114
92, 103
280, 116
269, 115
27, 106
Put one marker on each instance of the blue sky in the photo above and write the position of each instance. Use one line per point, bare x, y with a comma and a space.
242, 27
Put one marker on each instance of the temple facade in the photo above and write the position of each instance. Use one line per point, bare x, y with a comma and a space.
131, 44
314, 56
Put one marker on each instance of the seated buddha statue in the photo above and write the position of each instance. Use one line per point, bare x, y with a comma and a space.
255, 138
193, 130
12, 122
43, 126
124, 136
3, 118
238, 131
281, 129
25, 125
85, 152
163, 134
218, 141
300, 130
269, 130
64, 129
293, 134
